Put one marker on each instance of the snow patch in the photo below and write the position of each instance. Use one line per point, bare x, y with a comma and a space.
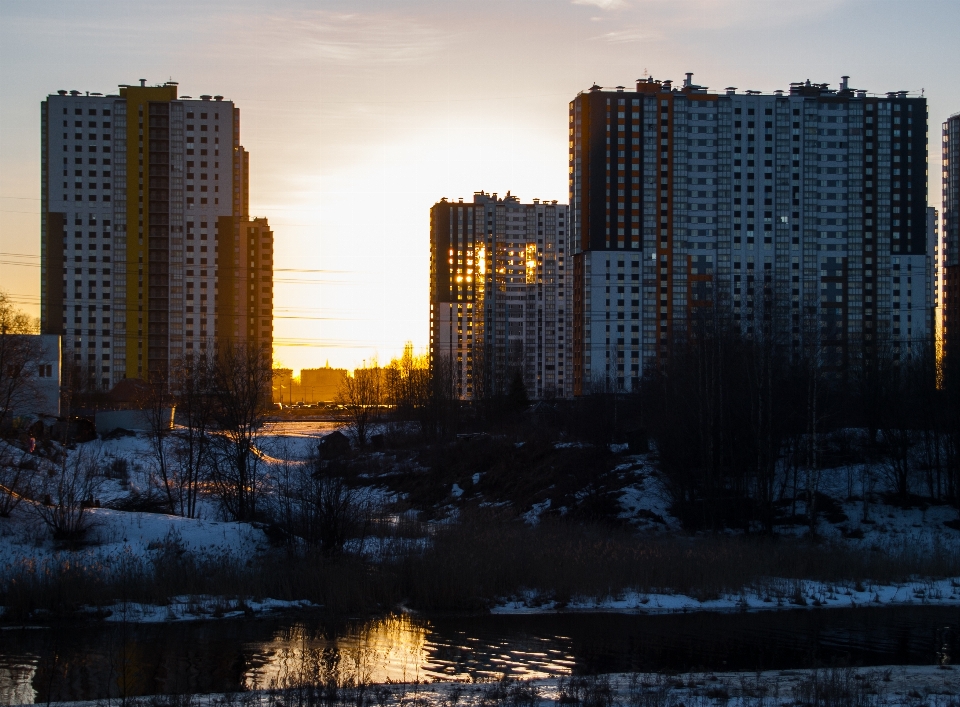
532, 516
190, 608
774, 595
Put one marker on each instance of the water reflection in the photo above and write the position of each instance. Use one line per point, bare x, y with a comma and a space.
16, 679
94, 661
397, 648
391, 649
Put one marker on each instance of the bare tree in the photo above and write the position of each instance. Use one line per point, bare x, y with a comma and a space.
19, 356
180, 455
193, 387
156, 403
16, 472
949, 392
439, 414
328, 511
717, 408
407, 382
361, 395
889, 408
241, 380
70, 492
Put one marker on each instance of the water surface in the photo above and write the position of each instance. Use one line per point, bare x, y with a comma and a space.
96, 660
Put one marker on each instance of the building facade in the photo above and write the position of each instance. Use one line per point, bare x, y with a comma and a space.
934, 277
803, 212
135, 189
245, 311
321, 385
500, 295
950, 247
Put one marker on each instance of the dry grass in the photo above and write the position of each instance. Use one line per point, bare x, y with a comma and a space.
468, 566
485, 557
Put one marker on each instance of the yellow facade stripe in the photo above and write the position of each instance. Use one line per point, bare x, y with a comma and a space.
138, 213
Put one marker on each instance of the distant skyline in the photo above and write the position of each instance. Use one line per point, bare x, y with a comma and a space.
359, 116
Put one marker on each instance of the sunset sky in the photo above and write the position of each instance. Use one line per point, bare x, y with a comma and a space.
360, 115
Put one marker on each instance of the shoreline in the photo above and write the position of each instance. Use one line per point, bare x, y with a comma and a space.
778, 595
883, 686
812, 596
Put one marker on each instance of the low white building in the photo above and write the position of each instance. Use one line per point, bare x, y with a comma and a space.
39, 390
49, 375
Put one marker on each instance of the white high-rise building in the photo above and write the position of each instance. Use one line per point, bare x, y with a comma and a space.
141, 192
500, 295
802, 213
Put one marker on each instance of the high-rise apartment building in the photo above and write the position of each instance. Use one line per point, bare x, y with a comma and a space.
934, 275
802, 212
500, 295
950, 249
245, 310
143, 194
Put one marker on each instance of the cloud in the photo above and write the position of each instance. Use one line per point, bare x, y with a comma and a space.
717, 14
658, 20
356, 39
627, 35
602, 4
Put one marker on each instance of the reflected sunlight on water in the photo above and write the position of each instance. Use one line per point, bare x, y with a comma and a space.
389, 649
397, 648
93, 661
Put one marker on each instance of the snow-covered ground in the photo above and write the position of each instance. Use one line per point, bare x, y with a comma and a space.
642, 497
114, 532
118, 534
193, 608
892, 686
775, 594
645, 503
